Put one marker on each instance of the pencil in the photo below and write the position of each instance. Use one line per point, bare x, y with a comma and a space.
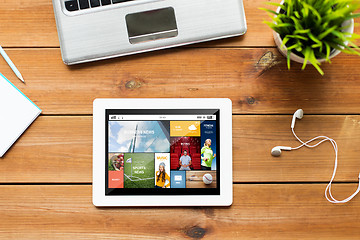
11, 64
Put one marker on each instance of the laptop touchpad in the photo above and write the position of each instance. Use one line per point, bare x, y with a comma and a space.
151, 25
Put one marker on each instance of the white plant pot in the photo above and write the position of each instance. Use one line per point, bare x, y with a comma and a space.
296, 58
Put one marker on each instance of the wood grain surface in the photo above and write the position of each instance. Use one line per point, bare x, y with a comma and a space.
45, 178
259, 211
239, 74
58, 149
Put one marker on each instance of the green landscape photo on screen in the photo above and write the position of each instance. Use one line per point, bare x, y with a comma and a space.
139, 170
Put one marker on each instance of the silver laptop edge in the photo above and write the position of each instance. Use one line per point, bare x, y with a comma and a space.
105, 32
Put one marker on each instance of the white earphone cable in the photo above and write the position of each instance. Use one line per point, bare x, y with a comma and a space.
328, 194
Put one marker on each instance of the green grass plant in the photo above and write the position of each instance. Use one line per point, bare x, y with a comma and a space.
312, 29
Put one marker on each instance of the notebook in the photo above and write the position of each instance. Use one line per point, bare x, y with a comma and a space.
17, 112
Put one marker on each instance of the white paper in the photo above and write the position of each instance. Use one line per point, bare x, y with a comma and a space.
17, 112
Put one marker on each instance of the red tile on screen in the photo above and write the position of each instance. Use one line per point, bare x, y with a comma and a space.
116, 179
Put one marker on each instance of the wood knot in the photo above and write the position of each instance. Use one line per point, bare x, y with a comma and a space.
193, 89
196, 232
267, 61
132, 84
250, 100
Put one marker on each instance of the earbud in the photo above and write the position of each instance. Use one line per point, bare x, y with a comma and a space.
298, 114
276, 151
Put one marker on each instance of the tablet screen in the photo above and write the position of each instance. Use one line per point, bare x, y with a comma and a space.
162, 152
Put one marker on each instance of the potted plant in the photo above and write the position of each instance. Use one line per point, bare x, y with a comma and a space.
314, 31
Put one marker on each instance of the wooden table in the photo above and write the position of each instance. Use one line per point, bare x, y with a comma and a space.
45, 190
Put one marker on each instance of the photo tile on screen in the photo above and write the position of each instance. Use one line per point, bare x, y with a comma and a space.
162, 170
185, 128
185, 151
139, 170
208, 145
201, 179
139, 136
116, 170
178, 179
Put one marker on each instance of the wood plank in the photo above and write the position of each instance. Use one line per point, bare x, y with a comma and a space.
259, 212
53, 149
59, 149
232, 73
32, 24
255, 136
27, 23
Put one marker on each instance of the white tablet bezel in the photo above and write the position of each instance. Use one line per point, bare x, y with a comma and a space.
226, 189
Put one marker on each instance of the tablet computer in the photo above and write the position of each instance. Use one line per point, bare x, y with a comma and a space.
162, 152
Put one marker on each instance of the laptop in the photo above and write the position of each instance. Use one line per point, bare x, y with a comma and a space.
92, 30
162, 152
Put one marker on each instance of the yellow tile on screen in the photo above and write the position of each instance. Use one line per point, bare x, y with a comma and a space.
185, 128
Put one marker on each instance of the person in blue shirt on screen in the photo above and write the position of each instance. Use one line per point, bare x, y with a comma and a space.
185, 161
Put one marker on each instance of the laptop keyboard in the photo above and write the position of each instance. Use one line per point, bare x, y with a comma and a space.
75, 5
